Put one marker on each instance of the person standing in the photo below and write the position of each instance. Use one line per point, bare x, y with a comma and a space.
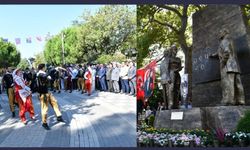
88, 79
132, 78
69, 79
9, 85
57, 80
46, 97
62, 75
102, 77
124, 78
33, 85
108, 77
27, 76
80, 81
93, 68
115, 77
23, 96
1, 78
74, 78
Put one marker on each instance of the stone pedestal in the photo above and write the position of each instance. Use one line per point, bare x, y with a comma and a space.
192, 119
225, 117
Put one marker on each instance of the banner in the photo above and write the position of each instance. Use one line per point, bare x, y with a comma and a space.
184, 90
145, 78
28, 40
18, 41
5, 40
39, 38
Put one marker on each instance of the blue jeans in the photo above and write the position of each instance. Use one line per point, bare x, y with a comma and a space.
103, 84
132, 85
125, 86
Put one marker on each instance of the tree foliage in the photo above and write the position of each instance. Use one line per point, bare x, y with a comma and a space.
246, 13
111, 29
9, 56
106, 58
164, 25
39, 59
23, 64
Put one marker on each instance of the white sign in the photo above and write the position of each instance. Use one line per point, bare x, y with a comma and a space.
176, 115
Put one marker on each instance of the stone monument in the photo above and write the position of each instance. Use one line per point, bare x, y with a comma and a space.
208, 112
206, 88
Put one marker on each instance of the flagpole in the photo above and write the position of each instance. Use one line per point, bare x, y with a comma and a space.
63, 48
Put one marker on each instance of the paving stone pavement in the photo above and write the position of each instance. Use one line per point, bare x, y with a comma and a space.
101, 120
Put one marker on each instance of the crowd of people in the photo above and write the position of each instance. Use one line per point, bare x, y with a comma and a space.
86, 78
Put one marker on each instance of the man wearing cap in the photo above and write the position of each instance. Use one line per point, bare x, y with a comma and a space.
9, 85
45, 97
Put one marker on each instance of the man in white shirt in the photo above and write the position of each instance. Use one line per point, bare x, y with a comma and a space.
115, 77
124, 78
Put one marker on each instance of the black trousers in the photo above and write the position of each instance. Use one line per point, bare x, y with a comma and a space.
74, 84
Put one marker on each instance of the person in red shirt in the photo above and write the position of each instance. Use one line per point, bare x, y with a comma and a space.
23, 96
88, 79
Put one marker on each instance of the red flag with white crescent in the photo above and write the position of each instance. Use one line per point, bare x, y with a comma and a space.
145, 81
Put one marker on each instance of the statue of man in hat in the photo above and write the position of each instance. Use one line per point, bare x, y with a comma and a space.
170, 77
232, 89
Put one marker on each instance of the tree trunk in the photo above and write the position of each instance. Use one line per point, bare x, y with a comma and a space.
188, 64
188, 61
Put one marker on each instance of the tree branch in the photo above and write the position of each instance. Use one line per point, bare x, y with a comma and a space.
171, 9
165, 24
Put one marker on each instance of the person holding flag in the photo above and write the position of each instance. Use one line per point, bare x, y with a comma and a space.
23, 96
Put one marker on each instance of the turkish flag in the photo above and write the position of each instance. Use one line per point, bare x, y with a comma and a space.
145, 78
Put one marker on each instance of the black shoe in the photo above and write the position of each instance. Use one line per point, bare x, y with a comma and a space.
25, 122
45, 126
59, 92
70, 91
60, 119
33, 118
82, 92
13, 115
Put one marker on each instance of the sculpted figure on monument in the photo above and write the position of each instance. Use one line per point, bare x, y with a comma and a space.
232, 89
170, 78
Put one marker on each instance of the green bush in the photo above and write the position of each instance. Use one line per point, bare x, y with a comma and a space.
244, 123
156, 97
151, 120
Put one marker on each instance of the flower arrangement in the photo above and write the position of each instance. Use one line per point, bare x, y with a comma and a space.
149, 136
